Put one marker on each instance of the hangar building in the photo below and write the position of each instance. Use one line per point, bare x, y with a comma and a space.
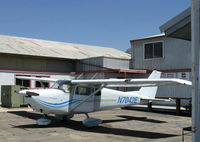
169, 55
32, 57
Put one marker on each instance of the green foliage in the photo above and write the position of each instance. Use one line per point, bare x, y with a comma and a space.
70, 87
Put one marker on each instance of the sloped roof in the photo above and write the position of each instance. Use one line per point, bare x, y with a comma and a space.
149, 37
44, 48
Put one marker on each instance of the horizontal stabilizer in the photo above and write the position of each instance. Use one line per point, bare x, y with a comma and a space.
165, 100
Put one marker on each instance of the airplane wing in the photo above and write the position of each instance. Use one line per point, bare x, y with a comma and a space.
133, 82
116, 82
43, 79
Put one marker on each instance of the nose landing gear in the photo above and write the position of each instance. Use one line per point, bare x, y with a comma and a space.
43, 121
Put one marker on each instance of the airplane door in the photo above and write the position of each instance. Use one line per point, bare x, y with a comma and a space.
79, 94
97, 100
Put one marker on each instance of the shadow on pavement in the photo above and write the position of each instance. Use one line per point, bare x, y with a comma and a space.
158, 110
77, 125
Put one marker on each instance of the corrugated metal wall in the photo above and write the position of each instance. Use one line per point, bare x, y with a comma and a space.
27, 63
101, 63
175, 91
177, 55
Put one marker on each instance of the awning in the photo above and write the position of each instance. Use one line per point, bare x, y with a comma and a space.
179, 26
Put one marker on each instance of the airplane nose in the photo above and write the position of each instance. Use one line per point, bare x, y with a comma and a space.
27, 93
21, 92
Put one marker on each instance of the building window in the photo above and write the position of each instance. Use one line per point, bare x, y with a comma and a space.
38, 84
25, 83
183, 75
153, 50
171, 75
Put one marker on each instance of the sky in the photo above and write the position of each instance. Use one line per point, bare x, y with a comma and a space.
109, 23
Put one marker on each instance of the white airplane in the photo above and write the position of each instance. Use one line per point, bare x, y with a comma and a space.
86, 96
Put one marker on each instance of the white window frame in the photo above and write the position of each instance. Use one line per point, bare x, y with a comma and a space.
163, 47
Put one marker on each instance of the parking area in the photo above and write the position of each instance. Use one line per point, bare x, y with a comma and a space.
133, 124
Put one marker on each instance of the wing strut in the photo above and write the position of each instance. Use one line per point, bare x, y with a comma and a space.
92, 94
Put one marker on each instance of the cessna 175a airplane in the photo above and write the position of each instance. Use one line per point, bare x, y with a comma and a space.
88, 96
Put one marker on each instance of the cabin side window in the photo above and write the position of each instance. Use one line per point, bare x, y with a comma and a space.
81, 90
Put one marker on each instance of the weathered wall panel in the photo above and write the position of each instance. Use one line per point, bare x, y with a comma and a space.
114, 63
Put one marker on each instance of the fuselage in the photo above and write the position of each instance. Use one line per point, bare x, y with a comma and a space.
56, 101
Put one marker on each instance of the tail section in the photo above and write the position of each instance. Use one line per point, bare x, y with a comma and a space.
150, 92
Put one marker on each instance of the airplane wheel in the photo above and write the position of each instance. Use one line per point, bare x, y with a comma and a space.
91, 122
43, 122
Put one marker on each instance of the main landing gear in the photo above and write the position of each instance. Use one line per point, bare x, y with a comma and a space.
88, 122
91, 122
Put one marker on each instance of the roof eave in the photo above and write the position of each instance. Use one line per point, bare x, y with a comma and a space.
150, 37
175, 20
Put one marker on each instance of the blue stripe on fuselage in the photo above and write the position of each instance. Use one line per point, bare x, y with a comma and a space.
58, 105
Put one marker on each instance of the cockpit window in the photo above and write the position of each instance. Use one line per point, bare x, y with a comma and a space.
55, 85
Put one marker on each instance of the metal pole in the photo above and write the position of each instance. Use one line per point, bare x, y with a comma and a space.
195, 69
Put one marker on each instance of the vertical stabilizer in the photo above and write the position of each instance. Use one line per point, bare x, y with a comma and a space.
150, 92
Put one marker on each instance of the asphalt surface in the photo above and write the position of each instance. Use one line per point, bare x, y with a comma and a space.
134, 124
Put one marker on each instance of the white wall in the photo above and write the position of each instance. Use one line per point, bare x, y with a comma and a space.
6, 79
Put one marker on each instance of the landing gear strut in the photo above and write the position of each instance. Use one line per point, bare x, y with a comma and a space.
87, 115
